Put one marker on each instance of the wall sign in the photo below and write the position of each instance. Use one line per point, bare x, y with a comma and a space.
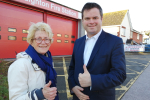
134, 48
50, 6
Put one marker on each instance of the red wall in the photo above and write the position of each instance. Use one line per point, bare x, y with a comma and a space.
62, 27
19, 18
135, 37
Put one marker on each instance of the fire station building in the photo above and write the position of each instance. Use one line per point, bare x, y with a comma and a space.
16, 17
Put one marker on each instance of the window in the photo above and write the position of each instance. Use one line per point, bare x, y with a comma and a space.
24, 38
25, 31
138, 36
58, 35
66, 41
123, 31
12, 29
66, 36
12, 38
72, 41
58, 41
72, 36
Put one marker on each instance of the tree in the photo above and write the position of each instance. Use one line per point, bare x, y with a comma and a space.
147, 33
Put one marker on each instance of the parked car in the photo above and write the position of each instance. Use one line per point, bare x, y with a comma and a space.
147, 47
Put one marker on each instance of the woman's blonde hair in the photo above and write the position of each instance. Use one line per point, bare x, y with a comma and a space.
40, 26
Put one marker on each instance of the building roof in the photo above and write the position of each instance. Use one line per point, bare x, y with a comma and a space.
113, 18
133, 30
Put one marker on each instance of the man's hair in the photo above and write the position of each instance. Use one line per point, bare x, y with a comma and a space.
91, 5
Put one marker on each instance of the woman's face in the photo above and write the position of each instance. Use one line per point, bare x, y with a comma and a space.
43, 46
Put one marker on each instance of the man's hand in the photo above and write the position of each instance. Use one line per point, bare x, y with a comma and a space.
77, 90
49, 93
85, 78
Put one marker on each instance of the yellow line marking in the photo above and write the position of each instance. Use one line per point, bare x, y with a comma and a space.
130, 83
62, 91
134, 71
122, 88
66, 79
136, 65
57, 67
130, 73
60, 75
53, 65
135, 62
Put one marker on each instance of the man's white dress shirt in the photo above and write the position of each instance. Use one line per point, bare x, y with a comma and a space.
89, 45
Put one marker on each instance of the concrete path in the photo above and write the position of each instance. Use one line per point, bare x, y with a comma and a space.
140, 90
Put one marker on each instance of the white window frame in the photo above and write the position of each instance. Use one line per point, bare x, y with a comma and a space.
138, 36
123, 31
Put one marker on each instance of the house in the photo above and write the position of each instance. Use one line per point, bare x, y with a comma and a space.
119, 23
136, 36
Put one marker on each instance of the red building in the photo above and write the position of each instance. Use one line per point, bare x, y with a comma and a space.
15, 19
137, 36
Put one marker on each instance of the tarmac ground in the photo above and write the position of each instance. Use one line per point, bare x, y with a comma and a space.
135, 87
136, 63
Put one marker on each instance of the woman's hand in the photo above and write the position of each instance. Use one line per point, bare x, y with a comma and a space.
49, 92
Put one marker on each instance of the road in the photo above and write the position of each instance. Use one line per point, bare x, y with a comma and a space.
135, 65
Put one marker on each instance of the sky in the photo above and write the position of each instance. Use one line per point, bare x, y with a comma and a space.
139, 10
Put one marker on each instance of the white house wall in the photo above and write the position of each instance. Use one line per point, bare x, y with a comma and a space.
125, 23
111, 29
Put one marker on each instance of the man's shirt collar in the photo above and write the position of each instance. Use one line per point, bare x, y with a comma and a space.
95, 36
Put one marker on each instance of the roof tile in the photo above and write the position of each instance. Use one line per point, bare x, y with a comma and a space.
113, 18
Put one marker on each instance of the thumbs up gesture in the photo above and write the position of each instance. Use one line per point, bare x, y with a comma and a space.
49, 92
85, 78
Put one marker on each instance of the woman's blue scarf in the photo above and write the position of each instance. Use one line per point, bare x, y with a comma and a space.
45, 63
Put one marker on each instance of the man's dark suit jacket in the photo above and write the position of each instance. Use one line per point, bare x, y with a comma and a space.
106, 66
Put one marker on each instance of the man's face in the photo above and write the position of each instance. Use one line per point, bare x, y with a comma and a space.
92, 21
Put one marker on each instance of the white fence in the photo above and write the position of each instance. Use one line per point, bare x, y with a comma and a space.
134, 48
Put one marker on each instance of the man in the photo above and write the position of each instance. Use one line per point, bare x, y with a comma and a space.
98, 60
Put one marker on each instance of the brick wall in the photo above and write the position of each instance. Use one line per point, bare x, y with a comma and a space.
135, 37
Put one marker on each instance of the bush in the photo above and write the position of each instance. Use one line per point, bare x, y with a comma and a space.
3, 80
3, 88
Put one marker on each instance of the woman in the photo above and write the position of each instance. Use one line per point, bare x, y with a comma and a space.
32, 76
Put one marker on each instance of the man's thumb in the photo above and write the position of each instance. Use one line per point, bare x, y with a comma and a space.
49, 84
84, 68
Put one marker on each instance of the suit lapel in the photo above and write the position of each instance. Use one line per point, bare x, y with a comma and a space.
97, 46
81, 50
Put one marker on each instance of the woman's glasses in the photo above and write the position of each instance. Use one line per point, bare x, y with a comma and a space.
39, 40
